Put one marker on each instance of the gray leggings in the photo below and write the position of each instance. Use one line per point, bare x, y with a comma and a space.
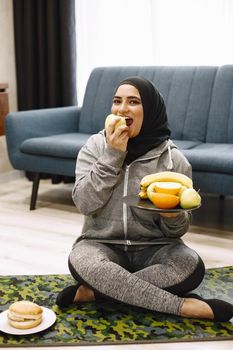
153, 278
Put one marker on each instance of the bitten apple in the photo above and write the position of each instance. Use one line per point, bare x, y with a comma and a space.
111, 117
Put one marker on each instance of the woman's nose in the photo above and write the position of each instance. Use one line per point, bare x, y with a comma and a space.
123, 108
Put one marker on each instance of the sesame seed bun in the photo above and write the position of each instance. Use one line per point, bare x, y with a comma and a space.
24, 314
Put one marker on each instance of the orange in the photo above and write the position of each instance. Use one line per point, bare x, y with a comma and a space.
167, 187
163, 200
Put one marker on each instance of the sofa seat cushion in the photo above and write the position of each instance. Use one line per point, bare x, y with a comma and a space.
211, 157
61, 145
182, 144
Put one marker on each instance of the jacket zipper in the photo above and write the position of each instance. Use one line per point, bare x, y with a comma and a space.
125, 225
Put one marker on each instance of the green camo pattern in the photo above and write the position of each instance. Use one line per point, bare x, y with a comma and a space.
111, 323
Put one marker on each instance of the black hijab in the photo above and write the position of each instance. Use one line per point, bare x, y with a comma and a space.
155, 127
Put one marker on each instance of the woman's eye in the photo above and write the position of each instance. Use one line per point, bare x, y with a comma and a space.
116, 102
134, 102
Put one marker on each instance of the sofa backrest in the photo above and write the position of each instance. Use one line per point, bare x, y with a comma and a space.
220, 121
194, 97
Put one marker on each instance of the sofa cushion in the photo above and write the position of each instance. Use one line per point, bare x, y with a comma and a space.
211, 157
62, 145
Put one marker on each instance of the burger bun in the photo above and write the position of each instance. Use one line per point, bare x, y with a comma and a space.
24, 314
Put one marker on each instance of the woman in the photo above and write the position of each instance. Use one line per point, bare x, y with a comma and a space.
127, 254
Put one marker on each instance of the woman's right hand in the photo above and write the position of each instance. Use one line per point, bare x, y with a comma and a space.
117, 138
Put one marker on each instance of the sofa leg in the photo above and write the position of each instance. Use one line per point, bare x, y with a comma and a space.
35, 186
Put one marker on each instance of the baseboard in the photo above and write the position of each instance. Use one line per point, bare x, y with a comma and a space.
11, 175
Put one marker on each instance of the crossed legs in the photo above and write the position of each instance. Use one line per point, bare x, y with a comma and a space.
154, 278
145, 278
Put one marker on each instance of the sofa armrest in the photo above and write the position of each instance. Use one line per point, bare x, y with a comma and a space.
23, 125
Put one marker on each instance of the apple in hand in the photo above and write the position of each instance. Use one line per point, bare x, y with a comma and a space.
190, 198
112, 117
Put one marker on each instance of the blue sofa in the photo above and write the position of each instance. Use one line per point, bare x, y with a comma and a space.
199, 103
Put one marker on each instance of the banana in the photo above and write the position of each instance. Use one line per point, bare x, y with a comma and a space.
143, 194
150, 188
165, 176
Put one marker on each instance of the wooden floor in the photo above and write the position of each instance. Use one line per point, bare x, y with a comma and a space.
39, 241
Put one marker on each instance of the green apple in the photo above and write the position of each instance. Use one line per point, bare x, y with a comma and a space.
190, 198
112, 117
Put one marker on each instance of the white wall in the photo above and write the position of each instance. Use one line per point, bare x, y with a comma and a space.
7, 70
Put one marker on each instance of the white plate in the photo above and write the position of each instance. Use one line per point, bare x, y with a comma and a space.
49, 317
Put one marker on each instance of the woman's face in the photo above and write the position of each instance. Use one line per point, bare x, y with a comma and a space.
127, 103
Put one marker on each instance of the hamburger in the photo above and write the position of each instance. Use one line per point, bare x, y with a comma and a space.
24, 314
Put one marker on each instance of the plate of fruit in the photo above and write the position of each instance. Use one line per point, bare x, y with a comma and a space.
165, 191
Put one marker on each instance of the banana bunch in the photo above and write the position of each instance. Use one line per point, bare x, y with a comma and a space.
164, 176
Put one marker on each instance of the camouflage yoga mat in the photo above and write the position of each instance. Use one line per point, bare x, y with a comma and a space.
108, 323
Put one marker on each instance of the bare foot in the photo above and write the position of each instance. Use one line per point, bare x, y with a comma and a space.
196, 308
84, 294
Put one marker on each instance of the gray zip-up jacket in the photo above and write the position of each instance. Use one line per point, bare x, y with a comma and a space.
103, 178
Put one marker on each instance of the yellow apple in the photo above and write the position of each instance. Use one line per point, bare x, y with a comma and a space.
112, 117
190, 198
